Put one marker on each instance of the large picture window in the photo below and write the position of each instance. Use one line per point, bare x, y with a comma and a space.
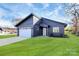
55, 29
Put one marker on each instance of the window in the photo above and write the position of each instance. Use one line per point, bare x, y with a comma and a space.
55, 29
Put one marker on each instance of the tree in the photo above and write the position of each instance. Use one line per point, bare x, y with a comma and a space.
73, 10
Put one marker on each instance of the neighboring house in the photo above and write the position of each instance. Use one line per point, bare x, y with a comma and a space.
9, 30
34, 26
0, 30
5, 31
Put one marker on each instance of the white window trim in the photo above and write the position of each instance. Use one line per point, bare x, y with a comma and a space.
56, 29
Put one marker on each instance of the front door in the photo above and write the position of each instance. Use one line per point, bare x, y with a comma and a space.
44, 31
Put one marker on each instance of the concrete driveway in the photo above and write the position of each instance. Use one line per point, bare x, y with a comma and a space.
11, 40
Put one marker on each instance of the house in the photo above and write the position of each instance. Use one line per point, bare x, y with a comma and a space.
32, 26
0, 30
6, 30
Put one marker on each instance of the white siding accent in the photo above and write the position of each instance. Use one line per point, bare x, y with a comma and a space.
35, 20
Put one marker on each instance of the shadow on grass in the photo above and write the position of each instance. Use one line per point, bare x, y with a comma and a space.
65, 36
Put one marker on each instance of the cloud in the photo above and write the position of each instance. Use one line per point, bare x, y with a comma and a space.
9, 12
4, 7
34, 8
55, 12
30, 5
55, 15
2, 11
4, 23
45, 5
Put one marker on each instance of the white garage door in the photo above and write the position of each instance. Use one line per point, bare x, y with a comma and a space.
25, 32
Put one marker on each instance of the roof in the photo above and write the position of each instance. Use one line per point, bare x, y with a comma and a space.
26, 19
44, 25
55, 21
39, 18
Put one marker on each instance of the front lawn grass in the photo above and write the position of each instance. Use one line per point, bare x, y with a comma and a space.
43, 46
7, 36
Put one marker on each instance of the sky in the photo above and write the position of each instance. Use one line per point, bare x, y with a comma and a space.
12, 11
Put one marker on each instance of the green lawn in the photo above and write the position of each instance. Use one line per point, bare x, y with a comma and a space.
6, 36
43, 46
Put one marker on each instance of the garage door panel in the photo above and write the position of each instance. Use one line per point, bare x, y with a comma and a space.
25, 32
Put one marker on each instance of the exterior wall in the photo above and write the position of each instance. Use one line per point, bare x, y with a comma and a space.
17, 31
54, 24
27, 24
37, 29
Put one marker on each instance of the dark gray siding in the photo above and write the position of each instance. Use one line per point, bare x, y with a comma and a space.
54, 24
17, 31
27, 23
37, 29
